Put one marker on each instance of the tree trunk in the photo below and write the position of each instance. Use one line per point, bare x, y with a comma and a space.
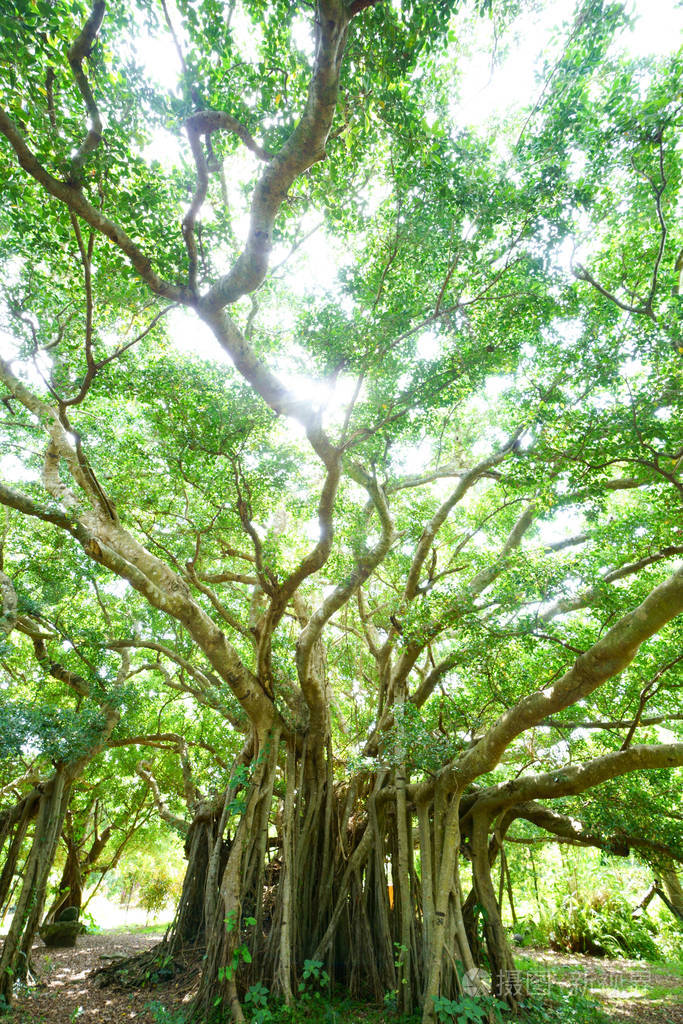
448, 914
501, 963
14, 962
70, 889
672, 887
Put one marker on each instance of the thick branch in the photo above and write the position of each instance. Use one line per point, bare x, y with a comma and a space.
574, 831
303, 148
572, 779
605, 659
79, 51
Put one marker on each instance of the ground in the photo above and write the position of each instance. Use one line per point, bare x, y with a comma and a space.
631, 992
65, 993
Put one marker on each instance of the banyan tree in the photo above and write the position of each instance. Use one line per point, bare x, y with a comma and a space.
357, 425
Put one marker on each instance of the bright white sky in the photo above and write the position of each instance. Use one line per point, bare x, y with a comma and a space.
487, 92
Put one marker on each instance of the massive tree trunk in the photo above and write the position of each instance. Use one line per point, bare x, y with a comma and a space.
305, 879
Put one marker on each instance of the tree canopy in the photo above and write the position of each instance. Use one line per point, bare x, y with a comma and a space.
341, 466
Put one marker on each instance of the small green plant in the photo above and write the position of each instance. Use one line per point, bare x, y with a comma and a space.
391, 1001
467, 1009
256, 1004
240, 953
391, 997
161, 1015
562, 1008
399, 958
314, 979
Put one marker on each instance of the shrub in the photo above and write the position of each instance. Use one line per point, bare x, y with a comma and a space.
157, 891
602, 924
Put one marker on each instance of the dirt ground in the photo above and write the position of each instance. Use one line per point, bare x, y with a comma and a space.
64, 993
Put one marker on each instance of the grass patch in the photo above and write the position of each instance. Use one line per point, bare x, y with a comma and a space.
135, 929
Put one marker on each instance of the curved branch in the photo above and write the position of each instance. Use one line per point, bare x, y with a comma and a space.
572, 779
605, 659
345, 590
571, 604
80, 49
573, 831
304, 147
144, 770
469, 478
74, 199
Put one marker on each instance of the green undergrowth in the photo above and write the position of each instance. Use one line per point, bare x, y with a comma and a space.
570, 996
556, 1007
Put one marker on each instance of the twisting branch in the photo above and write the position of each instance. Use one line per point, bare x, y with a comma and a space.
304, 147
658, 191
582, 274
266, 577
80, 49
144, 770
208, 688
419, 479
201, 126
570, 604
311, 563
86, 259
134, 341
365, 564
232, 620
60, 447
468, 479
205, 122
572, 831
77, 683
649, 690
190, 218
